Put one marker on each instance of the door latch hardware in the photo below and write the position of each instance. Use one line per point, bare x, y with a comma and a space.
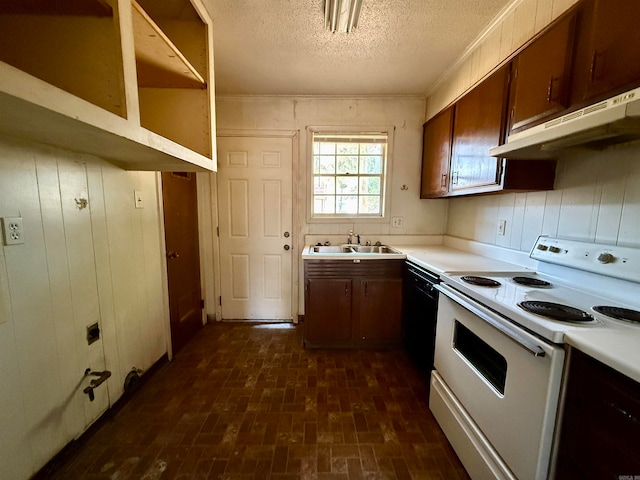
96, 382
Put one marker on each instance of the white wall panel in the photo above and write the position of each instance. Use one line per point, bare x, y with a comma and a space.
629, 232
533, 219
551, 218
77, 266
523, 23
543, 14
597, 198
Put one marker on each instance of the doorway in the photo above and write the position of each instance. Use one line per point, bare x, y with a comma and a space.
179, 196
255, 220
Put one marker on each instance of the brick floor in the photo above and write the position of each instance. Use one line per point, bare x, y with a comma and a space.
246, 401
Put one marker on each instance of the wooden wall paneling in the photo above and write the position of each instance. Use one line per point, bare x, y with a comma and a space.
518, 220
82, 278
505, 212
104, 276
125, 260
533, 219
16, 456
543, 14
524, 23
616, 186
153, 322
33, 333
67, 361
13, 414
552, 213
629, 233
87, 63
580, 201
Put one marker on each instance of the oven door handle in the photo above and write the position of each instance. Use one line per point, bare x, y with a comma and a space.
522, 342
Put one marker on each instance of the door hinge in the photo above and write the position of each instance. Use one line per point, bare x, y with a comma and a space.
220, 300
218, 231
201, 303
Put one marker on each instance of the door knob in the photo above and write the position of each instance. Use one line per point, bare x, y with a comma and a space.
172, 255
287, 247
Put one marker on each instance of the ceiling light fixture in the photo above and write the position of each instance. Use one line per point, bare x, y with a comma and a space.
341, 15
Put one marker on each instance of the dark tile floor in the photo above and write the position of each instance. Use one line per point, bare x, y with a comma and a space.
245, 401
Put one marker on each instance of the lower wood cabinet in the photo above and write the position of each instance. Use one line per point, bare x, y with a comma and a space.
353, 304
599, 423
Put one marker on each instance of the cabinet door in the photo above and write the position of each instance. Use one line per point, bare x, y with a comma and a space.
436, 155
600, 423
327, 310
479, 125
607, 60
380, 316
540, 76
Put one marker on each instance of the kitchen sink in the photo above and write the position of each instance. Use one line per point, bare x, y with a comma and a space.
331, 249
348, 250
379, 249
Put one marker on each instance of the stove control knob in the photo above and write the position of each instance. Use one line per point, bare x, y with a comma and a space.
543, 247
554, 250
606, 258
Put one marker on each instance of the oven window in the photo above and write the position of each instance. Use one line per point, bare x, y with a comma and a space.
488, 362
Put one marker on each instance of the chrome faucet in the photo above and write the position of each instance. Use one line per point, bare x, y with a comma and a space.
351, 235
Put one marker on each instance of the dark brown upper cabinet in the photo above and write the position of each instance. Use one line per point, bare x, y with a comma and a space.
540, 77
436, 155
479, 125
456, 146
606, 58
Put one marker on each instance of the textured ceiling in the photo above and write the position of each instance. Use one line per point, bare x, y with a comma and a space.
401, 47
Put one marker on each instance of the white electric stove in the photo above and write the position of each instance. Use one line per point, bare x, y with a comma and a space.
592, 286
499, 355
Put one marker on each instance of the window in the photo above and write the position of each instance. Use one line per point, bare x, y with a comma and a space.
348, 174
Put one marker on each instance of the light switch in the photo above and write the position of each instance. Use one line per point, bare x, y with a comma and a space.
502, 226
138, 198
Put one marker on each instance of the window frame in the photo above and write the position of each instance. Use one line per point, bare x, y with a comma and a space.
385, 177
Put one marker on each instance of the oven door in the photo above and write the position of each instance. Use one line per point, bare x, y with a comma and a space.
505, 379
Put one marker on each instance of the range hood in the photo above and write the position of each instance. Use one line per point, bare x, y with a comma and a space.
610, 121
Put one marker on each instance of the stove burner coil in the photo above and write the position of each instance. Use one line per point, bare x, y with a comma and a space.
531, 282
556, 311
620, 313
480, 281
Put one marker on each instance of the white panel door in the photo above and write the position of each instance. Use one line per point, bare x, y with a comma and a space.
254, 201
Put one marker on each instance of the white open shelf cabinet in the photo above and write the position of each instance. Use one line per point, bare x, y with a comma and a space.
131, 82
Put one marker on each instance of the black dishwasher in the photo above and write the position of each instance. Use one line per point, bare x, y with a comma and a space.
420, 308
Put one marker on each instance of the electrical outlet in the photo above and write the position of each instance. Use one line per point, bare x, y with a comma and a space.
396, 222
12, 230
502, 227
137, 195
